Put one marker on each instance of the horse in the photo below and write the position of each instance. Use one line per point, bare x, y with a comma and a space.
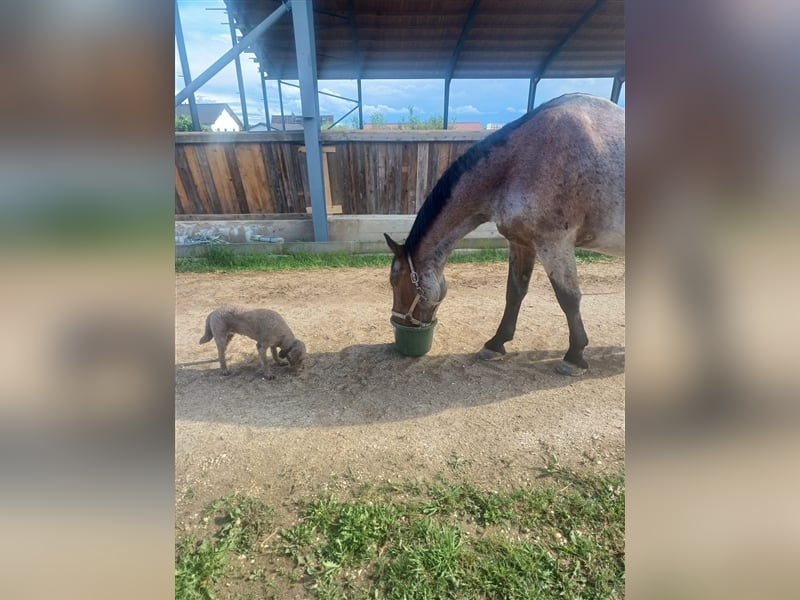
552, 181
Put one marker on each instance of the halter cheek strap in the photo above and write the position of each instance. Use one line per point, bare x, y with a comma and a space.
409, 315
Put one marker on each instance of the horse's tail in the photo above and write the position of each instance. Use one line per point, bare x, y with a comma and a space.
207, 335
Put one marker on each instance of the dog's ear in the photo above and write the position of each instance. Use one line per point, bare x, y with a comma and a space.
284, 352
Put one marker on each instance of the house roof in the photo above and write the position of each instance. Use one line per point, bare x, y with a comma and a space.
208, 113
440, 39
457, 126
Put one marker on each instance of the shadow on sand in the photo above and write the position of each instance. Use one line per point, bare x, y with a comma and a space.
371, 383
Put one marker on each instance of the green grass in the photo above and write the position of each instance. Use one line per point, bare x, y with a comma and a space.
241, 523
220, 258
562, 538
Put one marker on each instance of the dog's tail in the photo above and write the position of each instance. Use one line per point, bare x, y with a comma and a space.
207, 336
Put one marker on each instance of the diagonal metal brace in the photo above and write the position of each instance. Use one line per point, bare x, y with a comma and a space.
226, 58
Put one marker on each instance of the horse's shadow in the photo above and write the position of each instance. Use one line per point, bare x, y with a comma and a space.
372, 383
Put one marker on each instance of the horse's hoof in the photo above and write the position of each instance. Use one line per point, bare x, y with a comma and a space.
486, 354
565, 368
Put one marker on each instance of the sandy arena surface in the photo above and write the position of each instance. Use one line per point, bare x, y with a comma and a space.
360, 411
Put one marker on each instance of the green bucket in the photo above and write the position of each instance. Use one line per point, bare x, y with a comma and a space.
413, 341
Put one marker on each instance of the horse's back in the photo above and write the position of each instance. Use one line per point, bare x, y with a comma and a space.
566, 175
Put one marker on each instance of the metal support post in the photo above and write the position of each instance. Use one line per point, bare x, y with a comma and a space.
267, 118
446, 102
187, 78
280, 101
532, 92
238, 63
616, 89
303, 21
360, 106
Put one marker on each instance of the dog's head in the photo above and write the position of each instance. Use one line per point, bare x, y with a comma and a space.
295, 354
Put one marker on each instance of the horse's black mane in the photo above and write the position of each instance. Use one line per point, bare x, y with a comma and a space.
441, 192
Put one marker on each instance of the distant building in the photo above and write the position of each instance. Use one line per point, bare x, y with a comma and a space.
260, 126
494, 126
460, 126
295, 122
218, 117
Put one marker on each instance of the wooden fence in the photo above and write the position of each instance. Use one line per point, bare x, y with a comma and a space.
265, 173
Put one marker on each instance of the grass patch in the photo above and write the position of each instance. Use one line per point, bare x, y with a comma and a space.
221, 258
563, 538
240, 524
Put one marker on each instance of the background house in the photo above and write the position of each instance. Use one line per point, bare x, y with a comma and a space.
461, 126
295, 122
218, 117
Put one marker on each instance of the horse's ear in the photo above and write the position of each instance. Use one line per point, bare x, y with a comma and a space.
396, 248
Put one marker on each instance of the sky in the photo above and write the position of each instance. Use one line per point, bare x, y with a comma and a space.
498, 101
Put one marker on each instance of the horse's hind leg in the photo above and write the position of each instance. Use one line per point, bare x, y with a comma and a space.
520, 266
559, 263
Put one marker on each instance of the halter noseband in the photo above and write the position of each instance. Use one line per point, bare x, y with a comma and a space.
409, 315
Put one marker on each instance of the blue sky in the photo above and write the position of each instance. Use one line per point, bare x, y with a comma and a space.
207, 37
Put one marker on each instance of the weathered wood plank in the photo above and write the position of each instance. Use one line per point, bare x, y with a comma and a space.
377, 177
410, 179
218, 165
422, 186
185, 187
236, 178
253, 178
203, 183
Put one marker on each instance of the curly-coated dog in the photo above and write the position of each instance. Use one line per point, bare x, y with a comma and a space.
266, 327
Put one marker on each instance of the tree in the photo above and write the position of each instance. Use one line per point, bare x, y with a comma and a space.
184, 123
377, 119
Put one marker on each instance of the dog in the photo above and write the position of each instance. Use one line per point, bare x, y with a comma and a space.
266, 327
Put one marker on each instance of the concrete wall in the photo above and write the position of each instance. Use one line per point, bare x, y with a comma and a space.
349, 233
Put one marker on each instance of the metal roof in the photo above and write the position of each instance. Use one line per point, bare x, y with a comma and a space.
441, 39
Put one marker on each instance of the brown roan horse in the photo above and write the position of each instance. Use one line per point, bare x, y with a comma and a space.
552, 181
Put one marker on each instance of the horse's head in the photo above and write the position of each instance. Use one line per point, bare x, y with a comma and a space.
418, 289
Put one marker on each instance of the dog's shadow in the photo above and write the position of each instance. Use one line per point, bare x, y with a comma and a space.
372, 383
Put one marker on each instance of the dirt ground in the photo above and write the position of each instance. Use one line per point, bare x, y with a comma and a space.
360, 411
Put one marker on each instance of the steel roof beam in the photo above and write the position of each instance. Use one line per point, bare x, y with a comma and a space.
539, 73
226, 58
451, 66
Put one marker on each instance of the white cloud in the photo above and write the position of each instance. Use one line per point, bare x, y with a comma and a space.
488, 100
384, 108
467, 109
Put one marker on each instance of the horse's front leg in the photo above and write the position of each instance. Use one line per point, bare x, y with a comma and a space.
520, 266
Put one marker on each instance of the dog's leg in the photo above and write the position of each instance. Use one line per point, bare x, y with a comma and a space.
222, 344
262, 354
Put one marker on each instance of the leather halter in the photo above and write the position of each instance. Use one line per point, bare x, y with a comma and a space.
409, 315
